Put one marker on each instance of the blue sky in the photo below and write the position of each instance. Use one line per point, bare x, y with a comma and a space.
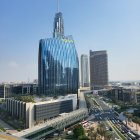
112, 25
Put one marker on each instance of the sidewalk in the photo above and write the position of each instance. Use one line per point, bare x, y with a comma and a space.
133, 126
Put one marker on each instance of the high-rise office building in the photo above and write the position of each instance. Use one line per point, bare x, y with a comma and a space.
98, 69
58, 65
84, 71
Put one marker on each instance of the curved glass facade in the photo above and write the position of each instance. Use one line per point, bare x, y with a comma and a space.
58, 67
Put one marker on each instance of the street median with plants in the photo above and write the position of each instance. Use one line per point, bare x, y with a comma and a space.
117, 131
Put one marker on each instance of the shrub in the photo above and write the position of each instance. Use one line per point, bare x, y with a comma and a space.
78, 131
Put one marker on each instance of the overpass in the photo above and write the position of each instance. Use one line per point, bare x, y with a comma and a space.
58, 123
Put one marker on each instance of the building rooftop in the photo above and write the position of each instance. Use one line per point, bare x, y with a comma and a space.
43, 100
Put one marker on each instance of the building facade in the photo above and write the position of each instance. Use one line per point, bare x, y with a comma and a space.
84, 71
38, 112
25, 89
98, 69
58, 65
126, 94
5, 91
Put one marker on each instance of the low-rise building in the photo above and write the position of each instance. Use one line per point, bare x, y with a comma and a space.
8, 90
137, 97
40, 111
129, 94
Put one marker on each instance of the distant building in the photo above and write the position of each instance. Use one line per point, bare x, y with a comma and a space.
84, 71
129, 94
8, 90
5, 91
42, 110
58, 65
137, 97
98, 69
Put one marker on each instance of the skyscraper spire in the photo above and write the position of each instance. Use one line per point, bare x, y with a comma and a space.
58, 30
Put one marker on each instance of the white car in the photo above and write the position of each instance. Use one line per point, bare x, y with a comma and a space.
117, 139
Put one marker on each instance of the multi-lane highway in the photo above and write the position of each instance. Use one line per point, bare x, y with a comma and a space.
106, 115
101, 117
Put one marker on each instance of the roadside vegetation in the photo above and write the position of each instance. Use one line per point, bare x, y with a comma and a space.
90, 100
133, 117
79, 133
90, 133
118, 131
2, 129
25, 98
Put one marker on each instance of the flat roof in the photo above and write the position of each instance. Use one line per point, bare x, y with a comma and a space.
52, 100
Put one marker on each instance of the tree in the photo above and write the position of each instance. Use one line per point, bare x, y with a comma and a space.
98, 138
90, 131
101, 130
83, 138
129, 116
108, 135
95, 134
78, 131
135, 120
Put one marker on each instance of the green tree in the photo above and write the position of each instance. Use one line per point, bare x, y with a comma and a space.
78, 131
108, 135
101, 130
135, 120
95, 135
83, 138
90, 131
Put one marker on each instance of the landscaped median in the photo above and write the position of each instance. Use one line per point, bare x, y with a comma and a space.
95, 102
117, 131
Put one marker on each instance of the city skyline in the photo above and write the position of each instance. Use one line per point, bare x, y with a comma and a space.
113, 26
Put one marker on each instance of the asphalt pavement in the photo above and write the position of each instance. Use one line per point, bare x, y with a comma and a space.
108, 117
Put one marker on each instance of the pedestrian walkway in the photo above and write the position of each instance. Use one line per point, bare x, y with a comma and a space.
133, 126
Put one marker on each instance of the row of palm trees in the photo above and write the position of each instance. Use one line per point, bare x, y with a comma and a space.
100, 133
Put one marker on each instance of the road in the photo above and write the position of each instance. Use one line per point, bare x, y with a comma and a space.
101, 117
107, 116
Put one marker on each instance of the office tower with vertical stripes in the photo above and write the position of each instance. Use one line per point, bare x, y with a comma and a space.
98, 69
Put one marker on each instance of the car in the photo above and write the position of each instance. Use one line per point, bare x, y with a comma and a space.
113, 121
117, 139
131, 135
107, 128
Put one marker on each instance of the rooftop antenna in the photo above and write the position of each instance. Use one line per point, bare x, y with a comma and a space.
57, 5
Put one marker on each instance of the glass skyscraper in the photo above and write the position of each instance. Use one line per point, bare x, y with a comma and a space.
84, 71
58, 66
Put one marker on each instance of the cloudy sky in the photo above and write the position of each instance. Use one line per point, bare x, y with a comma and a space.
112, 25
